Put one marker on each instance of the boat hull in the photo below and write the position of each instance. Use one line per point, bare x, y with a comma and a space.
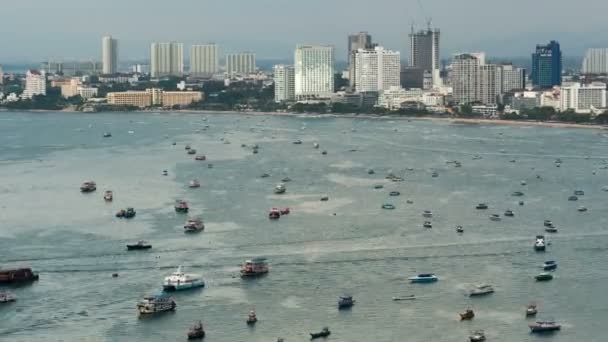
135, 248
183, 287
423, 280
196, 335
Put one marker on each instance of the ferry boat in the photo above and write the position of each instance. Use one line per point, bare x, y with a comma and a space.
323, 333
194, 184
17, 275
196, 332
88, 186
539, 244
544, 326
427, 213
252, 318
280, 189
345, 302
477, 336
6, 297
481, 206
549, 265
181, 281
254, 268
481, 290
108, 196
194, 225
424, 278
181, 206
531, 310
467, 315
200, 157
152, 304
141, 244
274, 214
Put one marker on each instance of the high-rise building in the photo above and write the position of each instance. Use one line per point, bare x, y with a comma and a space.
361, 40
166, 59
465, 77
376, 69
284, 83
35, 84
488, 90
314, 68
72, 68
240, 63
583, 98
595, 62
424, 51
509, 77
109, 55
204, 60
547, 65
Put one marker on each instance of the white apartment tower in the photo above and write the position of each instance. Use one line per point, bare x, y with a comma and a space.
204, 60
35, 84
240, 63
488, 90
314, 71
465, 77
109, 55
595, 62
376, 69
166, 59
284, 83
509, 77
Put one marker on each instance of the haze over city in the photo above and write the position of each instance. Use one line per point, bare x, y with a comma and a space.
71, 29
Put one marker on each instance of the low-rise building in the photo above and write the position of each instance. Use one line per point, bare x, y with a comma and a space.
180, 98
395, 96
154, 97
141, 99
86, 92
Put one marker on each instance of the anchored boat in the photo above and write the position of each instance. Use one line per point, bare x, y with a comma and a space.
424, 278
158, 303
182, 281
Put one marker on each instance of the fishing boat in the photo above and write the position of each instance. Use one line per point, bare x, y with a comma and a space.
252, 318
531, 310
549, 265
254, 268
509, 213
179, 281
194, 225
17, 275
141, 244
459, 229
108, 196
398, 299
196, 332
427, 213
544, 326
477, 336
481, 206
157, 303
88, 186
274, 214
345, 302
545, 276
427, 224
323, 333
7, 297
467, 315
194, 184
582, 209
394, 193
280, 188
572, 198
481, 290
495, 217
579, 192
424, 278
388, 206
181, 206
551, 229
539, 244
200, 157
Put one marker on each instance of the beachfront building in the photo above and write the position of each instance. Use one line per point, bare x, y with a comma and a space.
596, 61
284, 83
314, 72
154, 97
35, 84
180, 98
376, 69
583, 98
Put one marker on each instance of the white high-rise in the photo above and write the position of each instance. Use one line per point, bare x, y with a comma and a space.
314, 68
204, 60
35, 84
487, 87
109, 55
284, 83
583, 98
166, 59
509, 77
240, 63
376, 69
465, 77
595, 62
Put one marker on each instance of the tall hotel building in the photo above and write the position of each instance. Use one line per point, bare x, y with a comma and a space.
314, 71
166, 59
204, 61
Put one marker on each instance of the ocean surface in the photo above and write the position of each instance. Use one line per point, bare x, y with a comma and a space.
319, 251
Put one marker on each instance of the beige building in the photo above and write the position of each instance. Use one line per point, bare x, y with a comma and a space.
139, 99
180, 98
70, 88
154, 97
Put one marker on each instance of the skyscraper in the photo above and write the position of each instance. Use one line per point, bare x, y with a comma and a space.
376, 69
109, 55
284, 83
314, 68
595, 62
547, 65
204, 60
465, 77
240, 63
166, 59
361, 40
487, 86
424, 51
509, 77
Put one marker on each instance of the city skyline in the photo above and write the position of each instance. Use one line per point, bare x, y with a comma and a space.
460, 26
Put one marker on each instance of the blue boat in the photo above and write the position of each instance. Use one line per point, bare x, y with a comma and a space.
549, 265
424, 278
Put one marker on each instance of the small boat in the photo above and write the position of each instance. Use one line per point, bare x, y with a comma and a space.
551, 229
252, 318
579, 192
196, 332
548, 223
481, 206
286, 179
477, 157
194, 225
107, 135
388, 206
523, 182
371, 172
481, 290
427, 224
297, 142
324, 198
345, 302
191, 151
378, 186
165, 173
427, 213
582, 209
187, 147
264, 175
572, 198
409, 202
285, 211
531, 310
459, 229
182, 281
509, 213
398, 299
324, 152
316, 145
467, 315
394, 193
274, 214
181, 206
549, 265
88, 186
424, 278
254, 268
280, 189
155, 304
141, 244
200, 157
323, 333
544, 326
495, 217
194, 184
434, 175
477, 336
129, 213
517, 193
6, 297
539, 244
17, 275
108, 196
544, 277
521, 202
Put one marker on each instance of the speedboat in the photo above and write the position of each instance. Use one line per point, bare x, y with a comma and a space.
6, 297
467, 315
477, 336
181, 206
495, 217
388, 206
181, 281
531, 310
252, 318
88, 186
427, 213
424, 278
481, 290
194, 184
194, 225
459, 229
141, 244
196, 332
517, 193
509, 213
481, 206
551, 229
200, 157
108, 196
323, 333
254, 268
280, 189
274, 214
549, 265
427, 224
155, 304
582, 209
545, 276
572, 198
579, 192
345, 302
539, 244
544, 326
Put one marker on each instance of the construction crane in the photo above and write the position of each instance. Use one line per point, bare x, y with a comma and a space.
426, 17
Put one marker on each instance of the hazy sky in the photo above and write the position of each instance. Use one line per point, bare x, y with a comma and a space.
34, 30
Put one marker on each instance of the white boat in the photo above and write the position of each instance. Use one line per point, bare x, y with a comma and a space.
539, 244
182, 281
280, 189
6, 297
155, 304
194, 184
427, 213
481, 290
194, 225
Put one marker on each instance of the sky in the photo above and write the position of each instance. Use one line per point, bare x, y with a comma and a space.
36, 30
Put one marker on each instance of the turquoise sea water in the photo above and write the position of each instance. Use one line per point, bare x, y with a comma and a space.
322, 249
